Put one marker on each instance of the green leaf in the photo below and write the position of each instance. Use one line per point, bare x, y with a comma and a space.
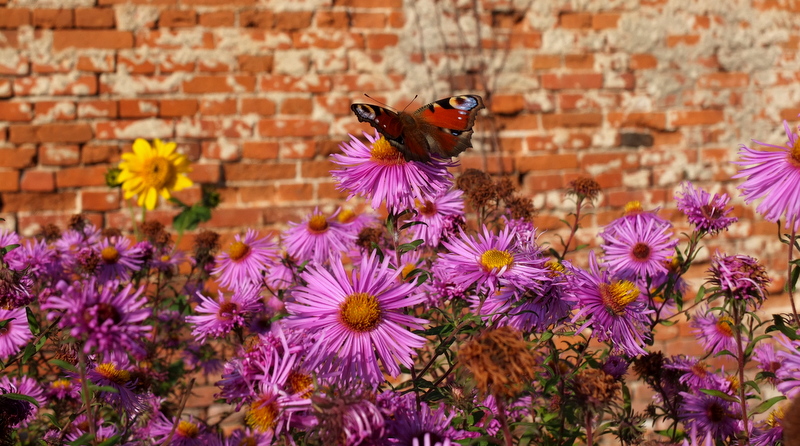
412, 223
701, 293
111, 441
407, 247
20, 397
32, 322
64, 365
719, 394
108, 389
766, 405
53, 420
191, 217
30, 350
83, 440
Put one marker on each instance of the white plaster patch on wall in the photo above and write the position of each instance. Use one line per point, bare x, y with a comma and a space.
605, 137
38, 46
228, 150
145, 128
329, 61
5, 89
12, 60
59, 109
292, 62
130, 17
186, 37
596, 169
125, 85
540, 99
516, 82
637, 180
558, 41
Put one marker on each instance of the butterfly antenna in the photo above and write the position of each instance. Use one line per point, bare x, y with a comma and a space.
379, 102
412, 101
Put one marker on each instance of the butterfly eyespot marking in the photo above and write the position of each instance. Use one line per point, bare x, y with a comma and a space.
453, 132
364, 111
463, 102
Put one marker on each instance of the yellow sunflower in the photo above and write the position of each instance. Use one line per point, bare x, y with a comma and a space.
149, 171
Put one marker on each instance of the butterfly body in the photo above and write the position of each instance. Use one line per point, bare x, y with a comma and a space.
443, 127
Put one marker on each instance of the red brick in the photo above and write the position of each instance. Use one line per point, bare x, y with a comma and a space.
643, 61
219, 84
94, 18
50, 133
173, 39
96, 39
99, 201
507, 104
255, 64
297, 106
135, 63
292, 193
94, 154
38, 202
367, 20
133, 129
56, 85
81, 176
382, 41
171, 108
177, 19
16, 111
579, 61
547, 162
52, 18
235, 218
292, 20
97, 109
319, 39
332, 19
397, 19
212, 107
15, 17
683, 39
396, 4
259, 172
546, 61
260, 150
492, 164
329, 191
297, 149
97, 64
575, 20
261, 106
648, 120
216, 19
59, 154
47, 111
723, 80
136, 108
316, 169
696, 117
307, 84
173, 63
213, 66
572, 81
37, 181
543, 182
17, 158
205, 173
256, 19
605, 20
9, 182
225, 151
554, 120
520, 122
292, 127
9, 39
208, 128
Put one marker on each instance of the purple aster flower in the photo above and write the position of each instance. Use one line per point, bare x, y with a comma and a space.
616, 366
489, 260
770, 431
102, 316
24, 385
281, 276
15, 288
249, 437
516, 411
380, 174
707, 213
118, 259
710, 414
437, 217
117, 372
80, 427
8, 238
715, 331
407, 424
317, 238
168, 260
188, 432
789, 371
245, 260
638, 248
354, 222
35, 258
767, 360
633, 212
63, 388
696, 374
14, 331
774, 177
351, 417
613, 308
219, 316
357, 320
740, 277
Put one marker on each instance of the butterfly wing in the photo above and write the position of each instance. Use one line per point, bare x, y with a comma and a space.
447, 123
397, 128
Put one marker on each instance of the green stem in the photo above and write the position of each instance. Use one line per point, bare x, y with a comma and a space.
737, 328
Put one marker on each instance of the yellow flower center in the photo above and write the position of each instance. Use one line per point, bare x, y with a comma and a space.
633, 207
263, 414
165, 258
616, 296
407, 269
111, 373
700, 369
495, 258
774, 418
318, 224
641, 252
428, 209
795, 152
725, 326
61, 384
158, 172
238, 251
187, 429
346, 216
110, 254
300, 383
360, 312
384, 153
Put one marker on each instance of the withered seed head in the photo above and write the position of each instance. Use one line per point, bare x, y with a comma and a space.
478, 187
112, 232
51, 232
505, 188
369, 237
595, 388
500, 362
520, 208
584, 187
77, 222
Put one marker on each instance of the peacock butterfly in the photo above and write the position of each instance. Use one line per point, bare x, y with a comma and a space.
443, 127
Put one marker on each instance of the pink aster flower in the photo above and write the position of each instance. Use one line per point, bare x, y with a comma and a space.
118, 259
381, 174
186, 432
357, 320
739, 277
612, 307
706, 212
788, 373
8, 238
244, 260
409, 424
714, 331
249, 437
102, 316
24, 385
774, 177
219, 316
14, 331
317, 238
638, 248
710, 414
354, 222
489, 259
35, 258
438, 217
115, 371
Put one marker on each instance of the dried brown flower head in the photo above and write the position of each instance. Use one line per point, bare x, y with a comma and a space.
595, 388
478, 187
112, 232
51, 232
78, 221
520, 208
504, 188
584, 187
369, 237
67, 353
155, 233
500, 361
649, 366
